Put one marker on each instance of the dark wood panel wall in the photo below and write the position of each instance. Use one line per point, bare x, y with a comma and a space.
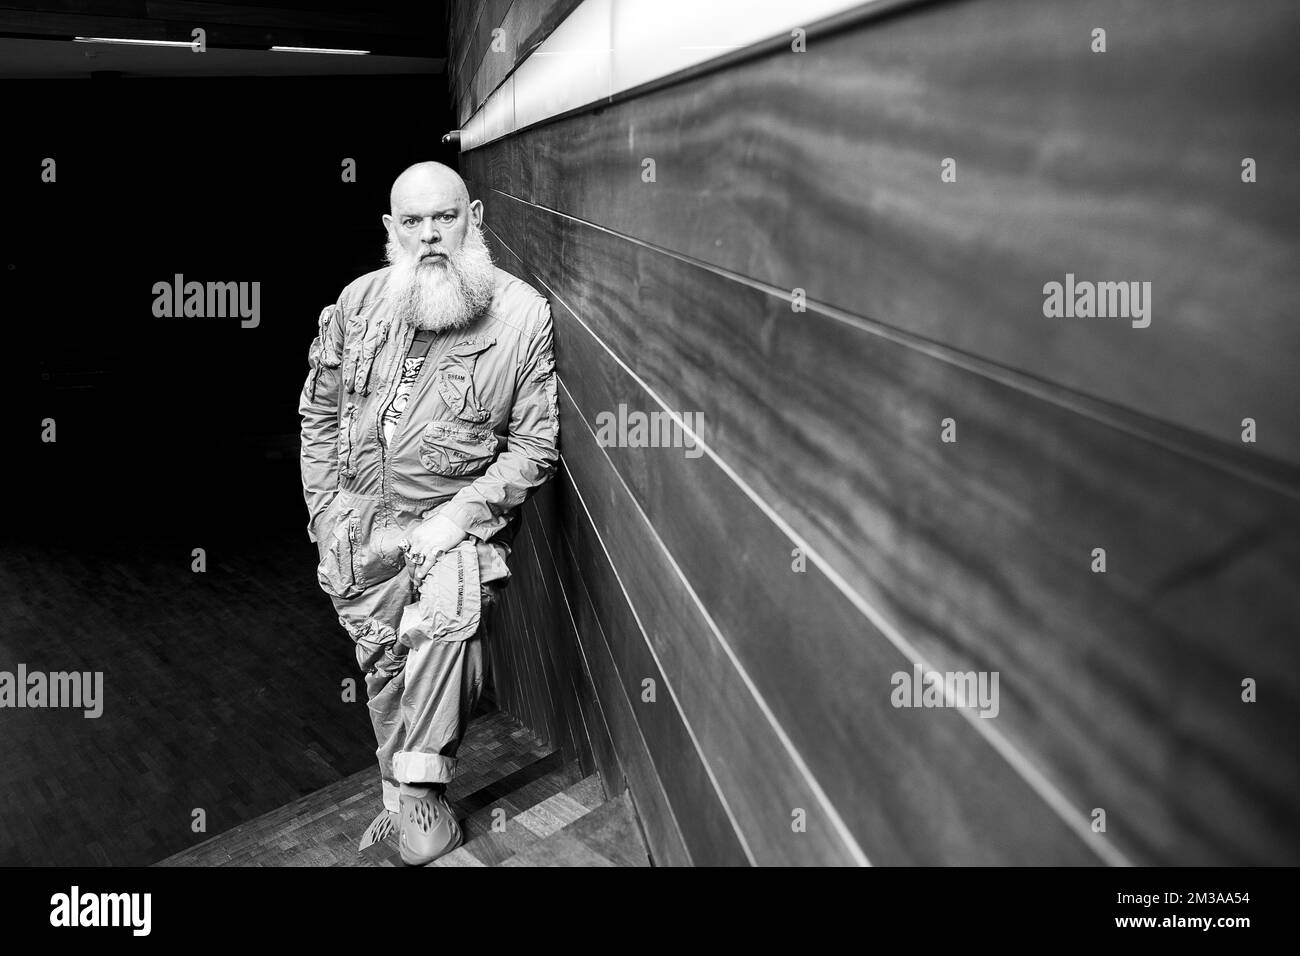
803, 277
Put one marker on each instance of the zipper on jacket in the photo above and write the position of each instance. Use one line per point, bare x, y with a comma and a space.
431, 360
349, 417
393, 376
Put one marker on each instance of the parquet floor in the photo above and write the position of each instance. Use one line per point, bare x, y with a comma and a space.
222, 698
222, 692
322, 829
518, 804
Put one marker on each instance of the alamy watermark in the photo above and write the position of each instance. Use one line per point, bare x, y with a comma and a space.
638, 429
80, 690
1103, 300
75, 908
179, 299
946, 689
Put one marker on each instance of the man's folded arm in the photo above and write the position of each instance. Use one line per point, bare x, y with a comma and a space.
483, 507
318, 406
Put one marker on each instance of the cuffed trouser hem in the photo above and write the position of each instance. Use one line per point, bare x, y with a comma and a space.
392, 797
409, 766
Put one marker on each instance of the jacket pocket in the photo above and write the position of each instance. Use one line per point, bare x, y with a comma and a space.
454, 380
321, 524
340, 573
454, 449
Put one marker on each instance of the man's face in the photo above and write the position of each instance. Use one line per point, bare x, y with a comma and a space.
430, 224
441, 274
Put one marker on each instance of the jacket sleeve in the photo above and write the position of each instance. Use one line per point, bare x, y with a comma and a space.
483, 507
318, 405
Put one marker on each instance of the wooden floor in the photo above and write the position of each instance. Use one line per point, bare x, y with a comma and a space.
222, 693
221, 690
518, 802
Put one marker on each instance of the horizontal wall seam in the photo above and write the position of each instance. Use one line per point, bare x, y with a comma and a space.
1086, 406
798, 760
566, 678
581, 653
658, 782
713, 780
1026, 769
845, 834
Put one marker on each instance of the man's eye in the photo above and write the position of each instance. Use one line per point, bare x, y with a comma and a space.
408, 222
448, 217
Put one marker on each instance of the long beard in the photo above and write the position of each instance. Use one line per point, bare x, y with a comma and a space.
438, 297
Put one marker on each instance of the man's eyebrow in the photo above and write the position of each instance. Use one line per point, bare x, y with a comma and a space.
438, 212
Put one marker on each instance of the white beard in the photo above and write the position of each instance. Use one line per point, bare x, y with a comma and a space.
440, 296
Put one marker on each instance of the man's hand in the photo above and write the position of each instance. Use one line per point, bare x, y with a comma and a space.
429, 539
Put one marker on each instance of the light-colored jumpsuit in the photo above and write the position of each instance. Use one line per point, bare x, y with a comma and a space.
479, 432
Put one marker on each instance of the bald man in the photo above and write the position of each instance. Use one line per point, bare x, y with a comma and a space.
428, 417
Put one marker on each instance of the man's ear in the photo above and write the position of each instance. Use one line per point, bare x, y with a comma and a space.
388, 223
476, 212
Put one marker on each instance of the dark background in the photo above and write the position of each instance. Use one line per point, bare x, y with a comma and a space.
188, 421
222, 689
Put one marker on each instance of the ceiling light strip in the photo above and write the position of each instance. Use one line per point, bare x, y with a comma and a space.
126, 41
603, 48
315, 49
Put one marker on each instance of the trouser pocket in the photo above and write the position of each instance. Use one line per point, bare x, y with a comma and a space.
379, 655
369, 621
449, 604
383, 667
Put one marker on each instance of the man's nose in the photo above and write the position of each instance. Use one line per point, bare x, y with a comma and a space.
429, 233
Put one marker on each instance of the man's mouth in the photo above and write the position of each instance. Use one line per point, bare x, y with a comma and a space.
432, 255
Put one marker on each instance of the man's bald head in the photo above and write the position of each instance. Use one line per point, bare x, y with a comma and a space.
427, 180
